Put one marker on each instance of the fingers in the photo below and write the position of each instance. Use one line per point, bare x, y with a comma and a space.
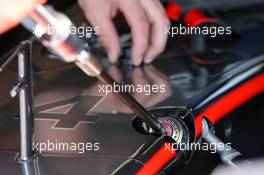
157, 17
13, 11
146, 18
108, 35
100, 15
139, 23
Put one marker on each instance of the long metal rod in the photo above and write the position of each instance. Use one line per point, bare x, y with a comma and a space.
25, 100
132, 103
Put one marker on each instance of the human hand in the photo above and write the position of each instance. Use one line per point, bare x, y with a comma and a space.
146, 18
13, 11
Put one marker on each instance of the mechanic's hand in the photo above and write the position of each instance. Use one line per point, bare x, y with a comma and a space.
13, 11
146, 18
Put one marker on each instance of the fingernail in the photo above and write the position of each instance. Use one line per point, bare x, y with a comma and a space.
148, 60
137, 62
113, 57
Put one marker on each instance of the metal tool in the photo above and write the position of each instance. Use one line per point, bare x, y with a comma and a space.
24, 88
53, 30
228, 156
